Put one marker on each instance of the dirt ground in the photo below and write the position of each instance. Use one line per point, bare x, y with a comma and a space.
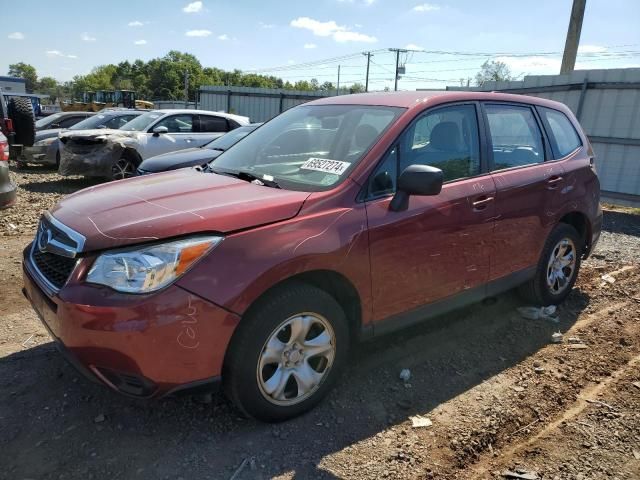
502, 399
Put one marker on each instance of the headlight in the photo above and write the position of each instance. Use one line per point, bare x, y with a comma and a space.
149, 268
45, 142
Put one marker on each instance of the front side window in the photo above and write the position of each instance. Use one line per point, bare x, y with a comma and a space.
564, 137
515, 135
310, 147
446, 138
142, 122
176, 123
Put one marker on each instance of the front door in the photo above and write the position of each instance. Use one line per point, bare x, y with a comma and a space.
441, 244
180, 134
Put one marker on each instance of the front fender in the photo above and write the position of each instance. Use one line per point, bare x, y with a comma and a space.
247, 264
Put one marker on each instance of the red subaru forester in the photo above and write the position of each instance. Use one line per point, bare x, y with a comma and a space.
339, 219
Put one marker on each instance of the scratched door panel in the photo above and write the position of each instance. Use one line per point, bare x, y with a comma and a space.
439, 246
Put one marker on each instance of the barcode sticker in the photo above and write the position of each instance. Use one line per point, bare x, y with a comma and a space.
325, 165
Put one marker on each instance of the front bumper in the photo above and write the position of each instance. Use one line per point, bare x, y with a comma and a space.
143, 346
45, 154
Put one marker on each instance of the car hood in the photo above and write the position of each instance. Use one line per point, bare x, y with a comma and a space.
98, 132
44, 134
179, 159
153, 207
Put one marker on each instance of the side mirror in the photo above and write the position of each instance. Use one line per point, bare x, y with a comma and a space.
416, 180
158, 130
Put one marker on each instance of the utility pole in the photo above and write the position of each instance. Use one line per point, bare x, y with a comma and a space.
573, 36
398, 51
186, 89
366, 82
338, 85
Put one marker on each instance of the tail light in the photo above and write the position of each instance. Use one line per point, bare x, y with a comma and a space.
4, 151
9, 124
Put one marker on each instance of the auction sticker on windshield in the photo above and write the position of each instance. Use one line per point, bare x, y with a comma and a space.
325, 165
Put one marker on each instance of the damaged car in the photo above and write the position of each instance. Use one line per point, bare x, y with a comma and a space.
116, 154
340, 219
45, 149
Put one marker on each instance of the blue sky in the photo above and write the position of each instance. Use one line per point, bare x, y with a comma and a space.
62, 39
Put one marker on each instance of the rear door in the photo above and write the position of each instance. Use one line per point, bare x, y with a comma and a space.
180, 134
441, 244
527, 186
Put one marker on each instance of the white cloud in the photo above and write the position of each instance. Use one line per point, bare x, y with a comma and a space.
58, 54
291, 62
16, 36
193, 7
426, 7
340, 33
85, 37
413, 46
366, 3
198, 33
266, 25
531, 65
353, 37
591, 49
140, 42
310, 45
223, 37
135, 23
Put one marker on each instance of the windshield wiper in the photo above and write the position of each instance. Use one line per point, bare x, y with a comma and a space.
247, 176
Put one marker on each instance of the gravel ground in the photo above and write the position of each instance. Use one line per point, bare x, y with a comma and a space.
500, 396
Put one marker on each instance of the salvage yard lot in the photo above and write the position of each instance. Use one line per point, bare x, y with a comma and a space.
500, 396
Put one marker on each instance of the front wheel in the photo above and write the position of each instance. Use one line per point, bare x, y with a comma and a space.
557, 268
123, 168
287, 353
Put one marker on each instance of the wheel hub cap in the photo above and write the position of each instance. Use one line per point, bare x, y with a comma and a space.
296, 358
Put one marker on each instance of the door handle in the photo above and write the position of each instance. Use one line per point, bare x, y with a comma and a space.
480, 203
554, 181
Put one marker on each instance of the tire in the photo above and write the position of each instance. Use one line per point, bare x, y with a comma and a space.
123, 168
24, 121
553, 282
252, 370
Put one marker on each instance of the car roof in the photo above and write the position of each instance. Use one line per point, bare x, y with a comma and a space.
164, 111
418, 99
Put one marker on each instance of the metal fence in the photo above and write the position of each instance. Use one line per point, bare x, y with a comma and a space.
607, 104
259, 104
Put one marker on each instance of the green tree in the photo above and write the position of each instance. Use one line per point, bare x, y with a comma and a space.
492, 70
26, 71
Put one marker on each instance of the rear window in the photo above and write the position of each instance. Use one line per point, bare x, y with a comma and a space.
564, 138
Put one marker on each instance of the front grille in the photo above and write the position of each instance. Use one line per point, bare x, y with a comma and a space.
56, 269
54, 250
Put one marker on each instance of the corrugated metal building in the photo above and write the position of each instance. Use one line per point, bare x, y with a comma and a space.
259, 104
13, 85
607, 103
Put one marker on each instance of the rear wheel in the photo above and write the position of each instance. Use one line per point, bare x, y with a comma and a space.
557, 269
287, 353
123, 168
24, 121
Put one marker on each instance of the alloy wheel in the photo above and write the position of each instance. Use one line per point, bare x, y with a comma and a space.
123, 168
561, 266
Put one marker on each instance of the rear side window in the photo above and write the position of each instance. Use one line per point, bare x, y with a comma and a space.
515, 135
564, 138
213, 124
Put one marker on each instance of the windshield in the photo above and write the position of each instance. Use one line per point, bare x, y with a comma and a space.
310, 147
48, 120
229, 139
90, 123
142, 122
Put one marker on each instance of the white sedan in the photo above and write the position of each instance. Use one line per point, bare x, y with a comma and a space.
116, 154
